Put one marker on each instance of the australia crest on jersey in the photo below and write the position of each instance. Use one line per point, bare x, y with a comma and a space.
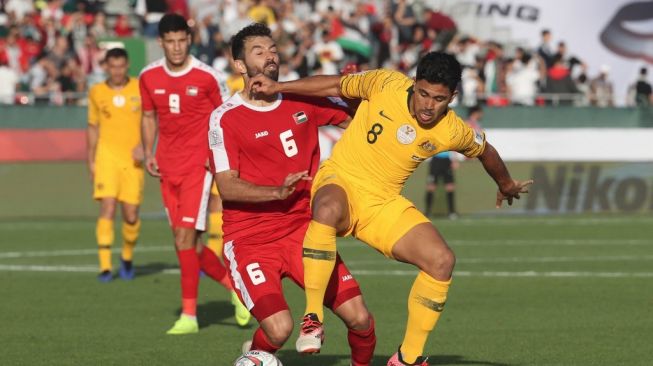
427, 146
192, 91
406, 134
300, 117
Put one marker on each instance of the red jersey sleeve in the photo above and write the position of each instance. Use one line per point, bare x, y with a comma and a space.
223, 142
330, 111
146, 99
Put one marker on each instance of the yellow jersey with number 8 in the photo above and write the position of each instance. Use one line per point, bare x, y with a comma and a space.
384, 144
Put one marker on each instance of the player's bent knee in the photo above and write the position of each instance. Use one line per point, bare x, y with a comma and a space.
327, 212
278, 330
360, 321
439, 264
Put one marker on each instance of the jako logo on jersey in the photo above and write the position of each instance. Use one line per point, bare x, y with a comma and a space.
347, 278
300, 117
261, 134
191, 91
159, 91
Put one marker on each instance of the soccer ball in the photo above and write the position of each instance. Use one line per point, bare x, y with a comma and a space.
257, 358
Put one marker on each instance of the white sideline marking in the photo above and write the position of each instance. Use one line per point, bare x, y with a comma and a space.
76, 252
534, 242
614, 258
556, 274
512, 220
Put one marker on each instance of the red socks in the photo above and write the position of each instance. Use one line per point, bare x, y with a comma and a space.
189, 266
362, 343
213, 267
260, 342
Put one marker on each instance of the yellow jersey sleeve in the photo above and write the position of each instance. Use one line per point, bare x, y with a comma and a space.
465, 139
364, 85
93, 111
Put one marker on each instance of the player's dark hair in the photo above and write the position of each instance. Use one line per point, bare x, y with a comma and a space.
116, 53
439, 68
238, 40
173, 23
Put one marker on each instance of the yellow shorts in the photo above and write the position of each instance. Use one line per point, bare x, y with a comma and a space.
214, 189
118, 180
376, 220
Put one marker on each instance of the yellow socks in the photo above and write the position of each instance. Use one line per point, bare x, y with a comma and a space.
104, 236
129, 238
215, 233
319, 259
425, 303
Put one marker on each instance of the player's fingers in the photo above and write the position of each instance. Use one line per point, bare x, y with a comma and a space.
516, 195
509, 201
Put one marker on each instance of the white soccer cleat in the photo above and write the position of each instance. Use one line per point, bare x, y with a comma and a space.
311, 335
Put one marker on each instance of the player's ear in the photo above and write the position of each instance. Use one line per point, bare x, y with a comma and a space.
453, 95
159, 41
240, 67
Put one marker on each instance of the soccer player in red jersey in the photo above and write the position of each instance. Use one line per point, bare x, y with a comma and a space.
178, 94
264, 153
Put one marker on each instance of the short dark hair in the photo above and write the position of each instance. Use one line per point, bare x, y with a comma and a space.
116, 53
173, 23
643, 71
238, 40
439, 68
545, 32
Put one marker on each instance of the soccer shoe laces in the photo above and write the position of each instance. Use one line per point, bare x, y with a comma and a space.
310, 322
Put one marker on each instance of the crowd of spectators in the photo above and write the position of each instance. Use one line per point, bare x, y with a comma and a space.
50, 48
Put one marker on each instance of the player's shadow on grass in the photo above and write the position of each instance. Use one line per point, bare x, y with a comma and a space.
292, 358
461, 360
149, 269
215, 313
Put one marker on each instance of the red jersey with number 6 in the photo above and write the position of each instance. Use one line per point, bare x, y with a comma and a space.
183, 101
265, 144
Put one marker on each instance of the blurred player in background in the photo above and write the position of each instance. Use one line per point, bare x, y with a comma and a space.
264, 151
178, 94
358, 190
115, 159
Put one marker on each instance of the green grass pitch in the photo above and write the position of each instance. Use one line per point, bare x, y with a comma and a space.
527, 291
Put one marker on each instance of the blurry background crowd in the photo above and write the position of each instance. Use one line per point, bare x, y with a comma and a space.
51, 50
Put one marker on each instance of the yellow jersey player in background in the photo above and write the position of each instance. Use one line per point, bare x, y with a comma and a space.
114, 160
357, 191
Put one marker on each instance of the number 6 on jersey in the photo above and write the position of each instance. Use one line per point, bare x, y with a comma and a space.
289, 145
255, 273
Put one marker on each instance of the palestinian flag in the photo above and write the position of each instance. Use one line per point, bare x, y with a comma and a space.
353, 40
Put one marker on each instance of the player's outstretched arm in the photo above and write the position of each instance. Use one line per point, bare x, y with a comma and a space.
316, 86
233, 188
148, 132
509, 188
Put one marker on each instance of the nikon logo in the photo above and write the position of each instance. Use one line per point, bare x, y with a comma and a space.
591, 187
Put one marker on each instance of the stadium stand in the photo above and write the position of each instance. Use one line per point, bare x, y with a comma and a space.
54, 48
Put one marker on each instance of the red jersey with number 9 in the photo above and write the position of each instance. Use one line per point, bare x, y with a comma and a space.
183, 101
264, 145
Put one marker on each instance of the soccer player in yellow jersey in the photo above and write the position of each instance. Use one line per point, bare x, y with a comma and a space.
357, 191
114, 160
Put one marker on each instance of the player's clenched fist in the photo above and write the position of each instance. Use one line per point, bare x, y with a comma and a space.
261, 84
290, 183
